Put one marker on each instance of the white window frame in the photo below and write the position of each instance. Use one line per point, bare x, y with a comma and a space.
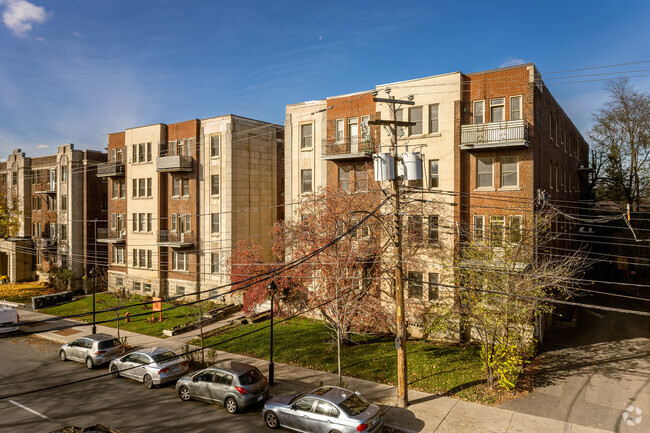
212, 177
478, 185
474, 115
493, 104
516, 186
215, 263
340, 130
215, 223
214, 154
437, 175
302, 137
476, 230
420, 123
499, 220
437, 118
510, 111
510, 228
303, 190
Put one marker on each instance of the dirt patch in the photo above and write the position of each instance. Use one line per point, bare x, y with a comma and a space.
66, 332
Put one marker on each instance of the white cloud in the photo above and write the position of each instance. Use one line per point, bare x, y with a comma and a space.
42, 146
511, 61
77, 34
20, 15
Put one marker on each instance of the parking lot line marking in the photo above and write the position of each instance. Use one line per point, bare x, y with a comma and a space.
30, 410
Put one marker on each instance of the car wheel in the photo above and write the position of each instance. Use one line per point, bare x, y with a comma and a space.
148, 381
62, 355
184, 393
231, 405
89, 362
115, 371
271, 419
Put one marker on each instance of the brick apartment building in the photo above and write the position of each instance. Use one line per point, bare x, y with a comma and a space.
62, 204
182, 195
487, 142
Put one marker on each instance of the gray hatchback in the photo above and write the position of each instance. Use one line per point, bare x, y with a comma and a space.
324, 410
152, 366
93, 350
234, 385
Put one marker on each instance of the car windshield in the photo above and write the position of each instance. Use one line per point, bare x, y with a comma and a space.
354, 405
109, 343
296, 398
165, 356
250, 377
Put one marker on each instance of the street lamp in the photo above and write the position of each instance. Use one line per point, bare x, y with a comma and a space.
91, 274
271, 288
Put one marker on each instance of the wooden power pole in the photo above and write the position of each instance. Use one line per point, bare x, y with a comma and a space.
400, 340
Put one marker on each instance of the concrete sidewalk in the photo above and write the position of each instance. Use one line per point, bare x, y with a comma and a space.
425, 413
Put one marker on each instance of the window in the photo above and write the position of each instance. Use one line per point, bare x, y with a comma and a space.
149, 222
305, 181
149, 259
141, 157
550, 176
141, 257
344, 178
306, 136
149, 191
415, 227
360, 178
399, 115
136, 286
326, 409
215, 223
434, 177
415, 115
64, 202
135, 187
433, 119
179, 261
142, 187
36, 203
497, 230
340, 130
64, 173
496, 110
353, 131
119, 282
36, 230
515, 229
433, 229
135, 222
180, 290
173, 221
433, 286
143, 222
515, 108
147, 289
479, 227
149, 152
509, 171
365, 127
484, 176
415, 285
176, 186
118, 255
64, 232
135, 258
214, 188
478, 112
214, 263
215, 146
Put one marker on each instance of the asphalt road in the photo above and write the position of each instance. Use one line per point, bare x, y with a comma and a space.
29, 363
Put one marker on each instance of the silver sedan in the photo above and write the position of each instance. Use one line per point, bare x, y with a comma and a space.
324, 410
153, 366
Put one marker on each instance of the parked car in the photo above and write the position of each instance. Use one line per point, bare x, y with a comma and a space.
94, 349
152, 366
325, 409
9, 319
234, 385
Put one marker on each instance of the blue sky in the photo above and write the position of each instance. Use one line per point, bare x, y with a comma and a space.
72, 71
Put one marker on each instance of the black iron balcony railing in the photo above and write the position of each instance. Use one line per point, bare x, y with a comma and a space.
355, 148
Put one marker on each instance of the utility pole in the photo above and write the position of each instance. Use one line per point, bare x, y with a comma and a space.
400, 340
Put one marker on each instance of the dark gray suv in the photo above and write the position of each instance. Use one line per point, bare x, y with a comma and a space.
93, 350
234, 385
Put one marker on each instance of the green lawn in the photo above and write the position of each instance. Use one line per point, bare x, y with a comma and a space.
137, 324
433, 367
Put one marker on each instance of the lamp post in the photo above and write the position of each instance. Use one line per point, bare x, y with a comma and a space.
271, 288
91, 273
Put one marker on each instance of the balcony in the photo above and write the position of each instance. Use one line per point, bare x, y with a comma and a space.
174, 163
50, 188
111, 236
350, 149
174, 239
110, 169
509, 135
44, 242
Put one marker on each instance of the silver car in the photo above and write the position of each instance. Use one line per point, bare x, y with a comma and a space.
234, 385
325, 409
94, 349
152, 366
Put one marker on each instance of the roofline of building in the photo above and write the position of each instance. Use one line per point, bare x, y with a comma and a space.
305, 103
416, 79
505, 68
350, 94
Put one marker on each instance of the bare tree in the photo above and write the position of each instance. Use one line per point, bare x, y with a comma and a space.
621, 132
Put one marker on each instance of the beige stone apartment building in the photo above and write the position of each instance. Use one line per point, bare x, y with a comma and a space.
182, 195
62, 206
